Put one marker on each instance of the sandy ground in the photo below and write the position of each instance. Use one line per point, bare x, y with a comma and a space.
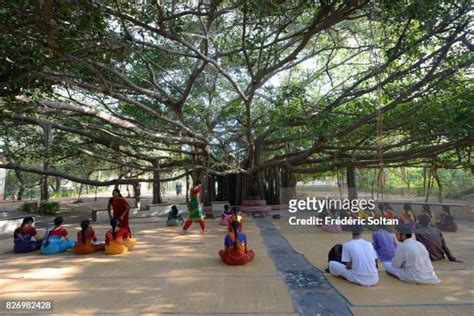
172, 273
167, 272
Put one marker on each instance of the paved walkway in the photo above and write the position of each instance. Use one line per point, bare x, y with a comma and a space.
312, 294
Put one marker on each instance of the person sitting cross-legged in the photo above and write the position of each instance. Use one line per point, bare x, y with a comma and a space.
359, 261
174, 218
236, 252
407, 217
22, 237
366, 214
432, 238
226, 214
384, 243
411, 262
56, 239
87, 240
446, 221
117, 239
426, 210
330, 228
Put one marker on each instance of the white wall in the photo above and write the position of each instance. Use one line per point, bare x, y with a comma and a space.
3, 174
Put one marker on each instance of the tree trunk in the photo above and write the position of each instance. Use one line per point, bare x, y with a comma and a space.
275, 186
424, 181
58, 184
351, 183
44, 184
156, 183
47, 144
439, 184
428, 190
340, 184
21, 188
81, 187
136, 194
373, 184
187, 186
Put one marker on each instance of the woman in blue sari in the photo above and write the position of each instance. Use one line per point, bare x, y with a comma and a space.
56, 239
22, 237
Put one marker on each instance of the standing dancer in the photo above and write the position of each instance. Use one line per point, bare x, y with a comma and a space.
120, 208
195, 208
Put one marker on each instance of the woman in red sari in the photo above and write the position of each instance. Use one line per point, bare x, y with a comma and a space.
120, 208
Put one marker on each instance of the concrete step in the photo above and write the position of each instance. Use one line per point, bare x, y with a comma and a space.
254, 202
255, 209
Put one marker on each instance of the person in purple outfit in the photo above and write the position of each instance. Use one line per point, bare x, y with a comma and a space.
384, 243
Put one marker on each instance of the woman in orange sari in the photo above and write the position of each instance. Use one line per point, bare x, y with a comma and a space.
120, 208
236, 252
86, 240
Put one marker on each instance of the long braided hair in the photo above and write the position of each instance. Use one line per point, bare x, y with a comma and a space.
235, 229
58, 221
114, 223
84, 227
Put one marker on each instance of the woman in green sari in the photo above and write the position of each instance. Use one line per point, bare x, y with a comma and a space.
196, 213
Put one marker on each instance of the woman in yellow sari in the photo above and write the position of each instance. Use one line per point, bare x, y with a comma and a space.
118, 241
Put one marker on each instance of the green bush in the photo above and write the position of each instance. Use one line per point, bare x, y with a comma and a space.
63, 193
29, 207
49, 208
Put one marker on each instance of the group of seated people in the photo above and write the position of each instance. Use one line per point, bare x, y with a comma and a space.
56, 240
407, 218
409, 261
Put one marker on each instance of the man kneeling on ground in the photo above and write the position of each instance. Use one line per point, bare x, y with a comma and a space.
359, 261
411, 262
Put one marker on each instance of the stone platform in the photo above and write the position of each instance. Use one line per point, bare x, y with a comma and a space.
255, 205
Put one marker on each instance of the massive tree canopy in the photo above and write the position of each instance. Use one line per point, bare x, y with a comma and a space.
251, 91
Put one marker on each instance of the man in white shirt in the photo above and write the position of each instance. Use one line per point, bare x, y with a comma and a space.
359, 261
411, 262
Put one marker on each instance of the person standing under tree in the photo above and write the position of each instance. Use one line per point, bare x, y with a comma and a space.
196, 213
178, 188
121, 209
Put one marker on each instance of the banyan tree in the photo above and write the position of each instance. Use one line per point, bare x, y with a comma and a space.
245, 95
